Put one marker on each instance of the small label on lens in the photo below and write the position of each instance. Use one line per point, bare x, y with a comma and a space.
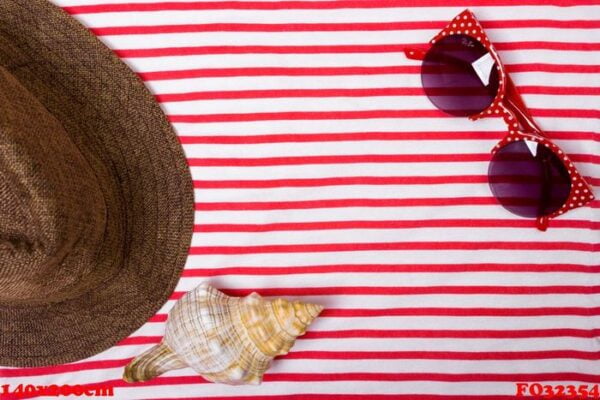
532, 146
483, 67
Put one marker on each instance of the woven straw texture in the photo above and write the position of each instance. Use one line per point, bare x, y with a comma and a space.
96, 193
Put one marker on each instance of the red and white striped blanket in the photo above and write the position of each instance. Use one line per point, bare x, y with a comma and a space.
322, 172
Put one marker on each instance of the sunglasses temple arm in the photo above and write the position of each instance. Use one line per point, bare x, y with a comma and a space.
414, 53
514, 102
542, 223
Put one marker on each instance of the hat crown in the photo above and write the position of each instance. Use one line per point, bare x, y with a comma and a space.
50, 204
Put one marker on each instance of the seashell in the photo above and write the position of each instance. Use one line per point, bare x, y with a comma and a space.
225, 339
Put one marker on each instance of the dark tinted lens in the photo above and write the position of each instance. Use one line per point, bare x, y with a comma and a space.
529, 179
459, 75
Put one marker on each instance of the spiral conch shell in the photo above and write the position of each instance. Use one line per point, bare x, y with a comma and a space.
225, 339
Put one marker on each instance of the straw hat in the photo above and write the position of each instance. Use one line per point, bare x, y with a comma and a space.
96, 199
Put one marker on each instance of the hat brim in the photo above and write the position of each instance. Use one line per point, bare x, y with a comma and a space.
99, 99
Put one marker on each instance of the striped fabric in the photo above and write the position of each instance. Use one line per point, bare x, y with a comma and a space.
322, 172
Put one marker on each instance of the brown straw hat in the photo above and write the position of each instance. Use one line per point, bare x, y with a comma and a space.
96, 199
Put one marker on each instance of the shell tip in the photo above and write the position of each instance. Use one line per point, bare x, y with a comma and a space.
153, 362
316, 310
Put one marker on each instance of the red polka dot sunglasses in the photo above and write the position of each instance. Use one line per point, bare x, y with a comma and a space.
529, 175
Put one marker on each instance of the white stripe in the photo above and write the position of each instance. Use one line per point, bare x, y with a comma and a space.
154, 41
343, 170
324, 324
192, 62
352, 192
466, 212
434, 366
336, 15
373, 125
346, 147
437, 300
368, 169
431, 344
327, 82
250, 106
344, 126
381, 235
559, 256
398, 280
393, 147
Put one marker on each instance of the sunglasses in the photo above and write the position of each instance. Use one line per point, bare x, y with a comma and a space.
462, 75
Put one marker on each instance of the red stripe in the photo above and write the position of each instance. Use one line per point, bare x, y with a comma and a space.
572, 113
275, 93
278, 71
535, 45
443, 355
307, 115
343, 159
333, 49
137, 340
336, 27
361, 114
391, 246
407, 224
409, 290
363, 136
351, 180
445, 312
451, 334
461, 312
358, 136
339, 203
314, 396
562, 90
361, 159
540, 67
417, 333
417, 91
329, 71
390, 268
261, 49
300, 5
443, 377
337, 181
